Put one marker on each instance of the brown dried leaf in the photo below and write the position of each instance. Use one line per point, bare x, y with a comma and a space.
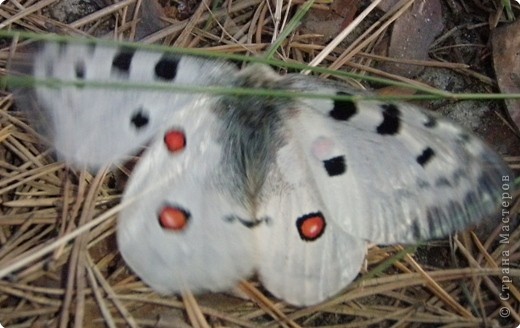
150, 19
506, 59
329, 23
412, 36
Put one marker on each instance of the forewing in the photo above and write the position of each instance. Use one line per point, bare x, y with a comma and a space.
394, 172
98, 104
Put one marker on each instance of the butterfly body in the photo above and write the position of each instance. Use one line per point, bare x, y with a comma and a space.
289, 187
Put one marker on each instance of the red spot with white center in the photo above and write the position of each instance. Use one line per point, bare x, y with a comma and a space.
173, 218
311, 226
175, 140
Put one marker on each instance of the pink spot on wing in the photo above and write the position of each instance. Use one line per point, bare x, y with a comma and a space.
322, 148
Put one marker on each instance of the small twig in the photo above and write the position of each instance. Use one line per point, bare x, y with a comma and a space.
193, 310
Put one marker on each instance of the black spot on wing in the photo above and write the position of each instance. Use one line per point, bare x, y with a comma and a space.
335, 166
166, 68
79, 70
140, 119
391, 120
122, 61
343, 110
425, 157
416, 229
431, 122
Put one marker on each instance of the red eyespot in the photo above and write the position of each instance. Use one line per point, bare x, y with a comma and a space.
311, 226
173, 218
175, 140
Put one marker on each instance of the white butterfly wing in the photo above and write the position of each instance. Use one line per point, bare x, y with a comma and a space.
79, 117
358, 172
182, 229
393, 173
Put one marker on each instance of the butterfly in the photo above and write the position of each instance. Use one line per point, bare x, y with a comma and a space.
290, 188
